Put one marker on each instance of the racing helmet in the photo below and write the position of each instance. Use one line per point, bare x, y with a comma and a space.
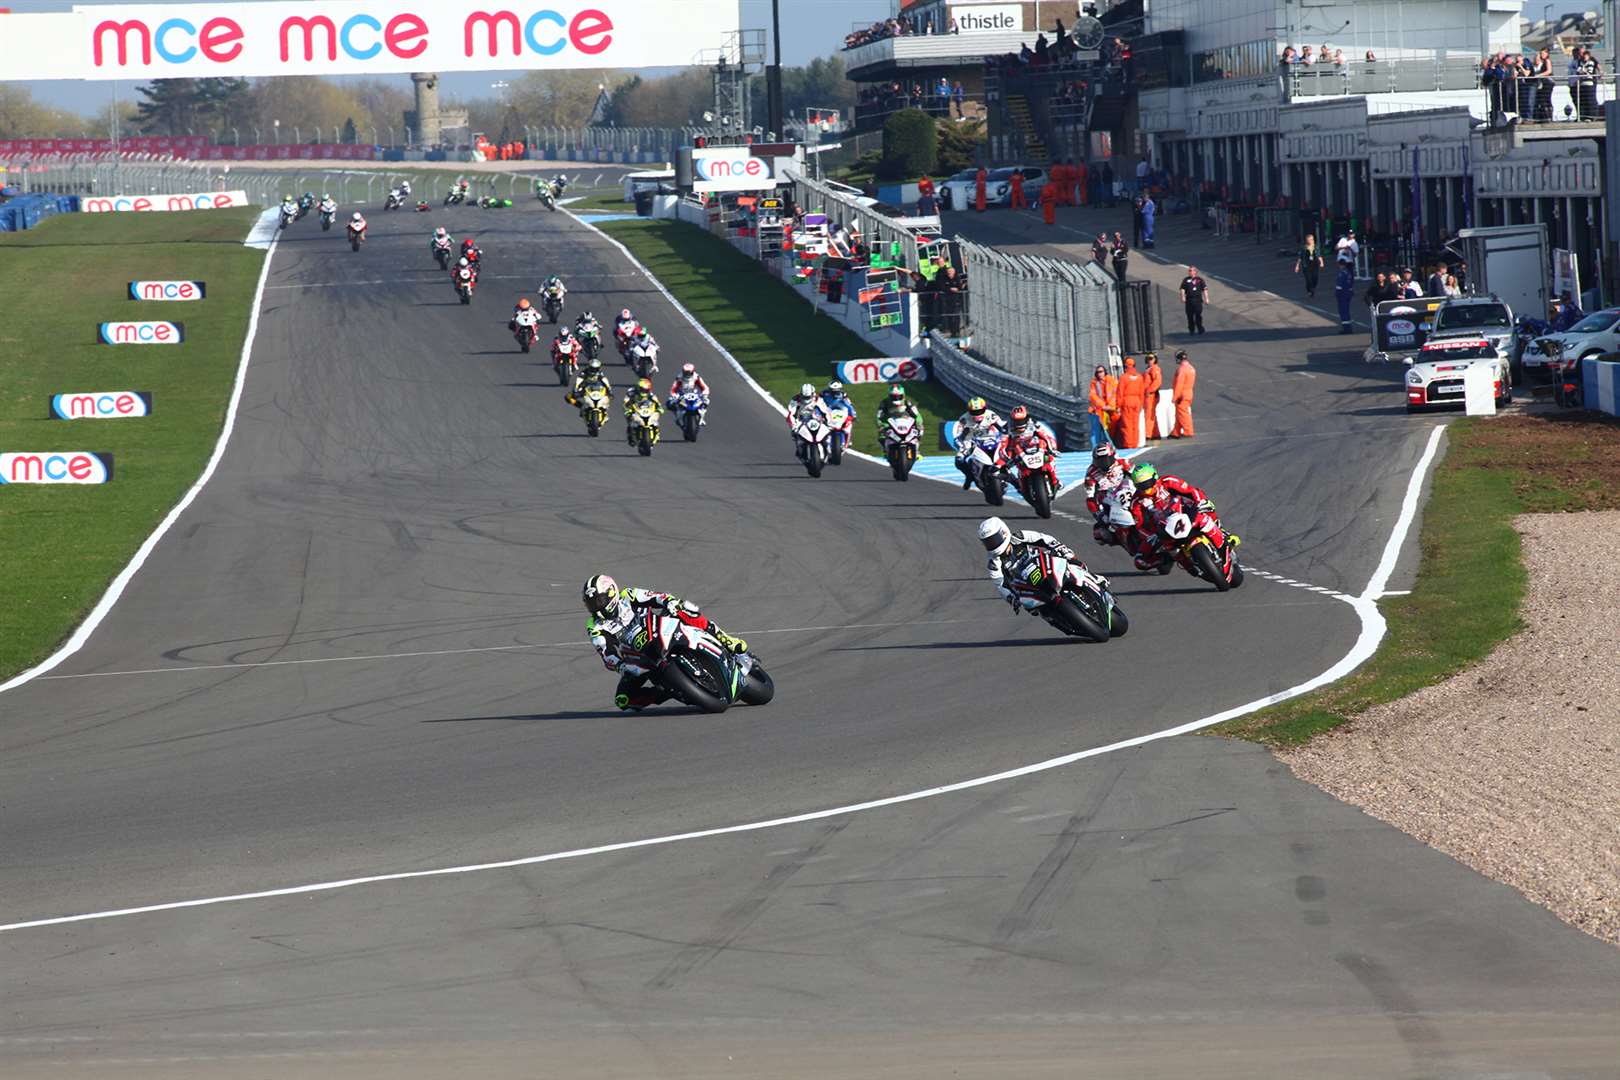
553, 280
563, 333
594, 366
1103, 455
585, 317
523, 305
688, 371
439, 232
355, 216
976, 408
807, 391
1018, 422
1146, 478
463, 261
624, 315
601, 595
835, 387
467, 243
286, 198
326, 196
897, 393
995, 536
644, 385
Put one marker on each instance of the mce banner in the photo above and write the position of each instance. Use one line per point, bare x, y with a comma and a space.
357, 37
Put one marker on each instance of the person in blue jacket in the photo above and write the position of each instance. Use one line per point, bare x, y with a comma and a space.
1344, 290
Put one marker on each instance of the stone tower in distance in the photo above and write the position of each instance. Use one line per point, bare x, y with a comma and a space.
427, 126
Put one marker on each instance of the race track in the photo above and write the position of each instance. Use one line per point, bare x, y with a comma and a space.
360, 652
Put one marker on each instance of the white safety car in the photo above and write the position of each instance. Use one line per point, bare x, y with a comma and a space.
1435, 378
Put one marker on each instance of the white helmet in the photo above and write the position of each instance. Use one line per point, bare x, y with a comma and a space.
807, 391
995, 536
356, 216
464, 262
440, 231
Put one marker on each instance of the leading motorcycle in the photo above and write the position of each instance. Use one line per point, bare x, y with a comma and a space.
1066, 594
693, 666
356, 237
1196, 552
442, 251
811, 433
900, 438
552, 305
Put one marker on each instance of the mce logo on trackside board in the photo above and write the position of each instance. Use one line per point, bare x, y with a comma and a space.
55, 467
167, 290
882, 369
101, 405
141, 333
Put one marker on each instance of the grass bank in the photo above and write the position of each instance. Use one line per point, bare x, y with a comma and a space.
772, 332
1470, 579
63, 544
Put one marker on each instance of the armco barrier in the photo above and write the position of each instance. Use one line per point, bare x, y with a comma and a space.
968, 377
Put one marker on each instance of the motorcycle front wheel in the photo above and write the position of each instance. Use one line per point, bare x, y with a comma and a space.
812, 460
990, 484
1070, 615
757, 689
592, 425
644, 443
1203, 557
702, 691
689, 426
1038, 495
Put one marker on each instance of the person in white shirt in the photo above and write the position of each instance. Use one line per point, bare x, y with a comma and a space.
1346, 250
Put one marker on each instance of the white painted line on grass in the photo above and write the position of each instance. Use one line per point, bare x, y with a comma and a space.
1372, 632
121, 582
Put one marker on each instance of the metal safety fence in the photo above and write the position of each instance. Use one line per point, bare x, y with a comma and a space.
1044, 320
632, 145
109, 176
966, 376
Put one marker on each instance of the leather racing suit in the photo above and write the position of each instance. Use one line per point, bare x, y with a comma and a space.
1021, 540
614, 634
1109, 494
1173, 495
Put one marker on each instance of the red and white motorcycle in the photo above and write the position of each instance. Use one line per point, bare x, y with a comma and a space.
812, 436
692, 664
1033, 473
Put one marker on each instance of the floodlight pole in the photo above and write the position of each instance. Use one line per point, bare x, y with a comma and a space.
773, 74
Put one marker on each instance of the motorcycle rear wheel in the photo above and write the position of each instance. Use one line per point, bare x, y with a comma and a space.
1209, 569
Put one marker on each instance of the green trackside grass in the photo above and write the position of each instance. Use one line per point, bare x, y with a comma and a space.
64, 543
1470, 579
603, 202
772, 332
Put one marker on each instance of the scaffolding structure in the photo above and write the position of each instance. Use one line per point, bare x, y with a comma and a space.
733, 65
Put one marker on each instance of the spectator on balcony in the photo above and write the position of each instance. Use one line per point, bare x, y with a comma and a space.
1289, 57
1370, 57
1541, 76
959, 96
1305, 57
1043, 50
951, 26
942, 96
1338, 58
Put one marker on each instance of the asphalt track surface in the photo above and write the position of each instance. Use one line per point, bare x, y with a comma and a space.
369, 659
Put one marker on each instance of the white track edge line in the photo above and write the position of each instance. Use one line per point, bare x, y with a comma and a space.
1373, 628
104, 606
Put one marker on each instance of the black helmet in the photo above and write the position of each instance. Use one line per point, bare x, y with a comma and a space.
600, 594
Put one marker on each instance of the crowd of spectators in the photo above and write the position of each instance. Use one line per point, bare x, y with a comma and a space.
941, 98
1326, 56
1522, 84
1063, 51
878, 31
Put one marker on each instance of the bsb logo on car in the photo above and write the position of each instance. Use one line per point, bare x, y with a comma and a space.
167, 290
141, 333
55, 467
101, 405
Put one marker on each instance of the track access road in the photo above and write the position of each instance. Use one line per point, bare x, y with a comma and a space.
360, 652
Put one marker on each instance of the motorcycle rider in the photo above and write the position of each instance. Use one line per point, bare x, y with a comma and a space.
524, 315
559, 185
615, 611
836, 397
289, 209
357, 224
1109, 492
463, 272
806, 398
689, 379
624, 327
1024, 435
639, 394
1157, 497
306, 203
979, 419
565, 347
1005, 546
328, 205
644, 347
593, 375
553, 286
440, 240
896, 404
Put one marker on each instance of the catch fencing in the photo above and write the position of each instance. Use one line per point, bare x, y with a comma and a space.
629, 145
1044, 320
967, 376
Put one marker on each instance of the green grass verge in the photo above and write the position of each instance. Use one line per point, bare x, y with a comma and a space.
63, 544
778, 337
1470, 581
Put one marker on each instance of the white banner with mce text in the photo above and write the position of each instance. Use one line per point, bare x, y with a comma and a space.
147, 204
354, 37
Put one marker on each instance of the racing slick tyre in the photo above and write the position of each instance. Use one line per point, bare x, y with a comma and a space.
524, 342
1118, 624
1074, 620
562, 373
990, 484
701, 692
593, 428
835, 451
1040, 496
1237, 574
900, 463
757, 689
354, 245
812, 462
689, 427
1203, 558
644, 443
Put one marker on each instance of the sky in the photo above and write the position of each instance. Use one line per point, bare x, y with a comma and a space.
810, 28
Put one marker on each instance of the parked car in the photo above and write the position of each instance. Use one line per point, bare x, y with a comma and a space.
1598, 333
957, 191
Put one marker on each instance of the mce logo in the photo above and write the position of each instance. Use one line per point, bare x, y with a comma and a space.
141, 333
101, 405
167, 290
55, 467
